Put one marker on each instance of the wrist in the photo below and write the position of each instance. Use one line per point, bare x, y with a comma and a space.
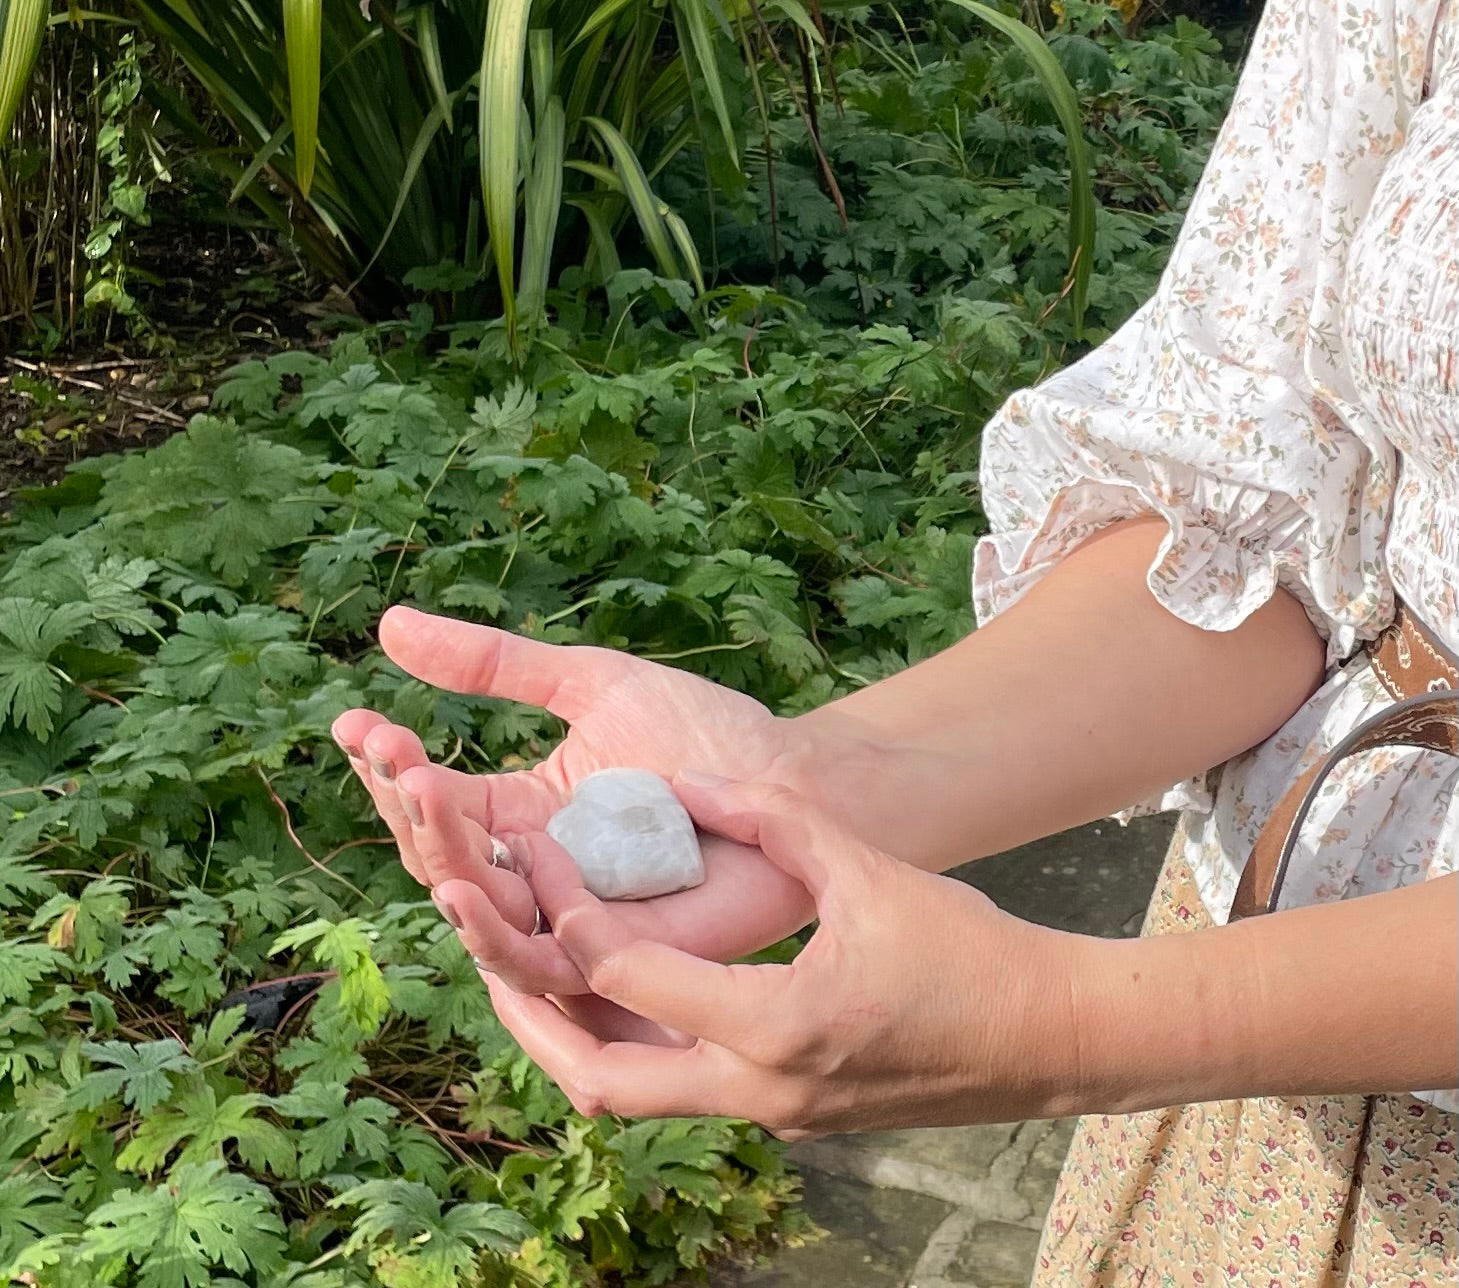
838, 764
1158, 1025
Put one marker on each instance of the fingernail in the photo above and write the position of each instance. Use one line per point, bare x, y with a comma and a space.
353, 753
689, 777
382, 769
444, 907
411, 806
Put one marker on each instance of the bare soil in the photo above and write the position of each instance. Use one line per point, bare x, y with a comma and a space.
211, 297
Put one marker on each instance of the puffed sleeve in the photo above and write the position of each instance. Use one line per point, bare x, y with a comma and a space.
1224, 405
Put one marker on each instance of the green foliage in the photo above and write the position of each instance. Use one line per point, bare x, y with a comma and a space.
237, 1046
954, 170
180, 626
22, 23
83, 163
412, 137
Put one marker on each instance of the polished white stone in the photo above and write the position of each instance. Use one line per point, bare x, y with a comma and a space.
629, 836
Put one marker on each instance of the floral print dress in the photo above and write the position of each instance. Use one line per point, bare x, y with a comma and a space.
1289, 403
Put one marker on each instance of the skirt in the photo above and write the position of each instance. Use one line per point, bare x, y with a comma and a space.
1317, 1192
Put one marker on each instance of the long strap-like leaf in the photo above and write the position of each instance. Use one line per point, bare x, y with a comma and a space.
647, 207
503, 59
22, 23
1066, 106
303, 40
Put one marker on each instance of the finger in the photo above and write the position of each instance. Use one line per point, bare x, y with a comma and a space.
353, 731
509, 894
521, 801
529, 963
389, 750
451, 845
612, 1023
696, 920
625, 1078
726, 1005
558, 885
349, 730
799, 840
467, 658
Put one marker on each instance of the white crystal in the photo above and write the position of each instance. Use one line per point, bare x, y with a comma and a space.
629, 836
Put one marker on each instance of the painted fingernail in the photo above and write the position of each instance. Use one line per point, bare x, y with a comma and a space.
382, 769
445, 908
691, 779
411, 806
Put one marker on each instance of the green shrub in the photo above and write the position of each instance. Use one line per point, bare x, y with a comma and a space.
581, 102
955, 175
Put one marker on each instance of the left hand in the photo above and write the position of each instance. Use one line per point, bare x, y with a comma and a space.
916, 1003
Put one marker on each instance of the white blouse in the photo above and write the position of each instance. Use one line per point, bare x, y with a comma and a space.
1289, 403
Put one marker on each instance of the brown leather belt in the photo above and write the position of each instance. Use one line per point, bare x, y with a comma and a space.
1424, 678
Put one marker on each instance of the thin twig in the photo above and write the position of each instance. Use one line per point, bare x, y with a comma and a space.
58, 789
833, 189
471, 1137
99, 695
289, 979
150, 410
297, 1007
302, 848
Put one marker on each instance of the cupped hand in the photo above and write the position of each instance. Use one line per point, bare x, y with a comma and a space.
621, 711
916, 1003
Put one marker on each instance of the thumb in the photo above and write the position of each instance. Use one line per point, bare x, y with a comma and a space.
800, 840
465, 658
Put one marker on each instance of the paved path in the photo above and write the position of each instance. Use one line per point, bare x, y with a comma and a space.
962, 1207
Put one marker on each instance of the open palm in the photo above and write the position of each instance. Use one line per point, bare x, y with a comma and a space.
622, 711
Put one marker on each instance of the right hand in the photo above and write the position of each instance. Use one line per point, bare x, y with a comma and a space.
623, 711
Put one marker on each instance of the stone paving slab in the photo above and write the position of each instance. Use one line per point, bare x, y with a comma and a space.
874, 1239
961, 1207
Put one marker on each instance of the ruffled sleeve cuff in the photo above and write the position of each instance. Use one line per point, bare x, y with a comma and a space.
1062, 461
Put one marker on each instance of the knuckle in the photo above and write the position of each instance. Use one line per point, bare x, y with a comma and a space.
569, 920
774, 798
777, 1048
606, 975
591, 1100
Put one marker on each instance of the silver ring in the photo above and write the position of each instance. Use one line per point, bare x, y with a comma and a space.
538, 922
501, 857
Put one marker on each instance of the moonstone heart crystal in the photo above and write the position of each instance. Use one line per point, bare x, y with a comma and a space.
629, 836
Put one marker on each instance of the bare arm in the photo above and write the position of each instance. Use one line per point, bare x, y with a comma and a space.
1353, 997
1083, 698
1359, 996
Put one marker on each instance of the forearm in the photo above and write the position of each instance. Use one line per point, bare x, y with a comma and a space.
1350, 997
1083, 698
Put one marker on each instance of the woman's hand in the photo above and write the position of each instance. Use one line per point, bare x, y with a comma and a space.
916, 1003
623, 711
